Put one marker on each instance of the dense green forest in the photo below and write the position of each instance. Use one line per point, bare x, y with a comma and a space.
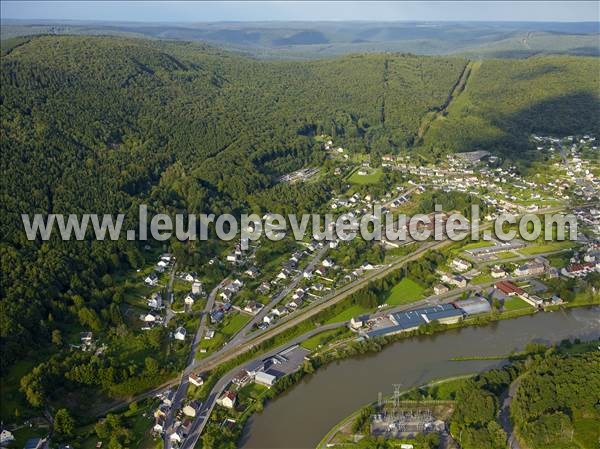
555, 404
102, 124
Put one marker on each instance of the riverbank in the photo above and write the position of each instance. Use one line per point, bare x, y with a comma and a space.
323, 444
426, 354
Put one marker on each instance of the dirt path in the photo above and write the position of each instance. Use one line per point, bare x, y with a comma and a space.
504, 415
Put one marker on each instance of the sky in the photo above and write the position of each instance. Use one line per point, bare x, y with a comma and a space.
209, 11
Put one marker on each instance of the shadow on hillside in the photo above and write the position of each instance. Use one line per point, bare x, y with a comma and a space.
571, 114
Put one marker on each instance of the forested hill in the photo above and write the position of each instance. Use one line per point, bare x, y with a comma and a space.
100, 124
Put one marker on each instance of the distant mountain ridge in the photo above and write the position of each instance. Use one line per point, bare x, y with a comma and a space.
309, 40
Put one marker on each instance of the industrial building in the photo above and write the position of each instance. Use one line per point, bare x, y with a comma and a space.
412, 319
474, 306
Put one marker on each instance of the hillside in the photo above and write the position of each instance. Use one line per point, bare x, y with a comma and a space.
102, 124
319, 40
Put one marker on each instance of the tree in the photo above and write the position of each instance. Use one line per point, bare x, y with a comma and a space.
56, 337
64, 424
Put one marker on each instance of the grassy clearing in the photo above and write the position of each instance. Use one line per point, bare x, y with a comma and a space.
482, 278
545, 248
404, 292
372, 177
347, 314
587, 431
320, 339
513, 303
234, 323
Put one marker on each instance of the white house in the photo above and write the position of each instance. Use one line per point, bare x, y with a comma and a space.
190, 299
227, 400
197, 288
195, 379
180, 333
190, 411
209, 335
6, 437
151, 280
460, 264
356, 323
497, 272
269, 319
328, 263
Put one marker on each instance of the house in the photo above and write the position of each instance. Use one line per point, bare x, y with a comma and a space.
530, 269
283, 274
510, 289
190, 299
264, 288
242, 378
227, 399
149, 318
295, 303
233, 257
159, 424
456, 280
279, 311
151, 280
356, 323
197, 288
6, 437
318, 287
327, 263
210, 333
497, 272
253, 307
269, 319
367, 266
189, 410
226, 295
578, 269
176, 436
180, 333
86, 338
321, 271
460, 265
252, 272
195, 379
440, 289
266, 379
216, 316
298, 294
163, 264
155, 301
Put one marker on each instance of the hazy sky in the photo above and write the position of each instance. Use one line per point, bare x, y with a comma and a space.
187, 11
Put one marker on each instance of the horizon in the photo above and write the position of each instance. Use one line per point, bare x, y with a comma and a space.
327, 11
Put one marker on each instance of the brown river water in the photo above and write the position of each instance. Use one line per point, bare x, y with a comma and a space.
301, 417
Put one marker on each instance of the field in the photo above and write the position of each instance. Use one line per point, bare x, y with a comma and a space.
546, 248
404, 292
512, 303
347, 314
324, 337
371, 177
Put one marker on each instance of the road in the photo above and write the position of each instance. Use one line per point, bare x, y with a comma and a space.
247, 343
169, 295
181, 391
258, 318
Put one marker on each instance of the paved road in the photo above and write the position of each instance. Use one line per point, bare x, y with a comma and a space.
258, 318
181, 392
169, 295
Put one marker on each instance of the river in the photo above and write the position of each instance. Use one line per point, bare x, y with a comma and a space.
299, 418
